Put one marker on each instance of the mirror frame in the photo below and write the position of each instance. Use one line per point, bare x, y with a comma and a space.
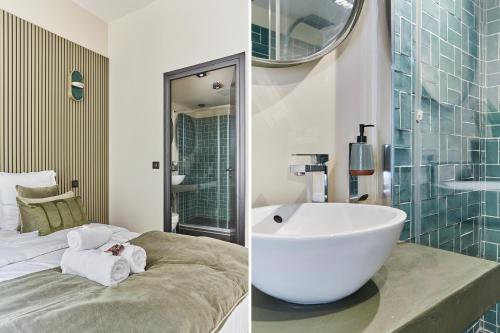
349, 26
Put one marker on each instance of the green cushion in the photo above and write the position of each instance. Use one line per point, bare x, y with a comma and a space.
48, 217
37, 192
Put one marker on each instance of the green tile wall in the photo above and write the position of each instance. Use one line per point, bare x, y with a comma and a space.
205, 152
459, 68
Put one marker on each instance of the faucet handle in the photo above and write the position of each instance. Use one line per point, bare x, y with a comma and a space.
315, 158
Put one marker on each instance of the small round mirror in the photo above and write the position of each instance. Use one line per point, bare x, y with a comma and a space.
290, 32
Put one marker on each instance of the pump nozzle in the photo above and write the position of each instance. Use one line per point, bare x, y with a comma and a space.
361, 137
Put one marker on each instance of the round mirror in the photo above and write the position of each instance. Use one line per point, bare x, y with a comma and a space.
290, 32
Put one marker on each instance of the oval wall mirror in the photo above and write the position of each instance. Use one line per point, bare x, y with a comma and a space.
291, 32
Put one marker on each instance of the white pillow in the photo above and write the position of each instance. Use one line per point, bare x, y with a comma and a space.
9, 212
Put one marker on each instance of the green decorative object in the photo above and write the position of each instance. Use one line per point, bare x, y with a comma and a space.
76, 86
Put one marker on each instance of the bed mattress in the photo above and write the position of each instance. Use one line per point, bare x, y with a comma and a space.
24, 254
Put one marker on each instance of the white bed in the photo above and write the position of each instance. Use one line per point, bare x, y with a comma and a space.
22, 254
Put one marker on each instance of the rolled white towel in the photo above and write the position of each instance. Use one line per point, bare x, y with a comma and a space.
136, 257
95, 265
86, 238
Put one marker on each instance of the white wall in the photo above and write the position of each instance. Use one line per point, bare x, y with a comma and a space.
159, 38
64, 18
316, 108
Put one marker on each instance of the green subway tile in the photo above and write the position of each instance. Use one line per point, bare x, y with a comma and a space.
403, 8
490, 251
430, 223
447, 49
492, 151
493, 118
446, 234
406, 37
467, 240
447, 65
402, 82
429, 207
454, 23
448, 5
491, 203
402, 63
430, 23
491, 47
454, 38
453, 216
492, 223
493, 27
402, 139
402, 157
492, 236
474, 197
431, 8
473, 211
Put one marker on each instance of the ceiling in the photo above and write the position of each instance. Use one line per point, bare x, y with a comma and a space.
329, 10
109, 10
190, 91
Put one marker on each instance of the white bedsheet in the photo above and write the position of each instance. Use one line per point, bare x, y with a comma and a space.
22, 254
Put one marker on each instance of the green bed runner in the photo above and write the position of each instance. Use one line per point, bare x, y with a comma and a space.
191, 284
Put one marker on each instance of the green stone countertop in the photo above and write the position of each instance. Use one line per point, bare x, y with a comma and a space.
419, 289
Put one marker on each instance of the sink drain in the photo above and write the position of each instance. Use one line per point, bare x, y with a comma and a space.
277, 219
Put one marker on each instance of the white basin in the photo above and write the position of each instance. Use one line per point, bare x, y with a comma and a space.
177, 179
321, 252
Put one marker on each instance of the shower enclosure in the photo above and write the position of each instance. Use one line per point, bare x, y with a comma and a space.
446, 167
205, 192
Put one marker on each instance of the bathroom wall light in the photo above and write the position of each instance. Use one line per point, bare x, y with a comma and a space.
217, 85
76, 86
344, 3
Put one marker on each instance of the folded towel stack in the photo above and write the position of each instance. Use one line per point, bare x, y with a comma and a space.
88, 257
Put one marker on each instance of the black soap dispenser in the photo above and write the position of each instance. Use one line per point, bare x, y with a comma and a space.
361, 155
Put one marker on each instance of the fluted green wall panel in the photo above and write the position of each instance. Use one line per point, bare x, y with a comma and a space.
40, 126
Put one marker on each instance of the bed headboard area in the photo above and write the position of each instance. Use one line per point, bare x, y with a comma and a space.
41, 126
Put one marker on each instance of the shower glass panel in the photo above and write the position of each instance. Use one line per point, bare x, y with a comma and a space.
204, 151
446, 77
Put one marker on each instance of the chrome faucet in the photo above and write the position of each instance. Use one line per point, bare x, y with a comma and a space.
317, 172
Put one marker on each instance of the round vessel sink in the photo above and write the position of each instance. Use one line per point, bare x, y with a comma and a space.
319, 253
177, 179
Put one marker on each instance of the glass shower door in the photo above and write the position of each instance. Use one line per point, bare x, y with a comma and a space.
437, 136
446, 148
204, 152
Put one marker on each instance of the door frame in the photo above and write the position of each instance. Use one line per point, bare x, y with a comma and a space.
237, 60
